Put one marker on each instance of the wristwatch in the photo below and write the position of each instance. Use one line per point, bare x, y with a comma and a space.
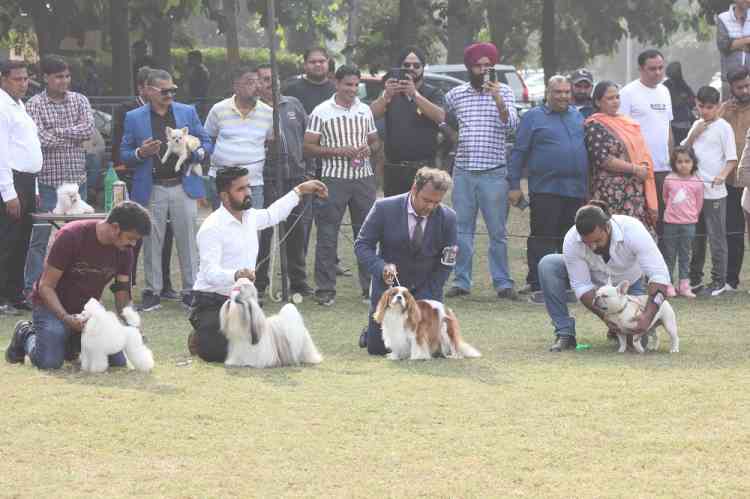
442, 125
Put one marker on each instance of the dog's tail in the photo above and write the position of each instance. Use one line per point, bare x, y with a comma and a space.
137, 353
294, 325
461, 348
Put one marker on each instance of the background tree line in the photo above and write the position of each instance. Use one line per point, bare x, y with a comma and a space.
553, 34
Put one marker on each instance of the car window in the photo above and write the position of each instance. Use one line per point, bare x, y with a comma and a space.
511, 79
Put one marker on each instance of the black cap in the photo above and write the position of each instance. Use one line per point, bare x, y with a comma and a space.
581, 75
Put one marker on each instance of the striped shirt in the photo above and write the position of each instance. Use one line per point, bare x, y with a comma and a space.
63, 128
339, 126
240, 138
482, 136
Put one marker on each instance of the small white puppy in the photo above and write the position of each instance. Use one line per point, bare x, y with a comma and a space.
257, 341
103, 334
182, 144
69, 202
624, 311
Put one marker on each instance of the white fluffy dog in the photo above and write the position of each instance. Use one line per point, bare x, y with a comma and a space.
69, 202
624, 311
419, 329
104, 334
257, 341
182, 144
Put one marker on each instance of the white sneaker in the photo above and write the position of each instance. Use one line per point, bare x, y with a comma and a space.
729, 288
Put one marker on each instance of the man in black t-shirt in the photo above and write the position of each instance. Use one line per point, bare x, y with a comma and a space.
313, 87
413, 117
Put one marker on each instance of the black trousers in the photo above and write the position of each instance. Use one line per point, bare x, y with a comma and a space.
204, 317
735, 235
295, 242
659, 177
14, 237
550, 219
398, 179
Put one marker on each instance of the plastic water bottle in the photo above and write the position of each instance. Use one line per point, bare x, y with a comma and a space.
109, 180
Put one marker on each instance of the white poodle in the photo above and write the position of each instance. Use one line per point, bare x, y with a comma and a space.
104, 334
69, 202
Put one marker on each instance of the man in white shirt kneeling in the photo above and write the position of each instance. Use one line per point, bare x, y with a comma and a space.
228, 248
598, 248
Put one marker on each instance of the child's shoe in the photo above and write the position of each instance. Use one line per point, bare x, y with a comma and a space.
671, 293
684, 289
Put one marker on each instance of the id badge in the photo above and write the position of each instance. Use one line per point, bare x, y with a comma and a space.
449, 256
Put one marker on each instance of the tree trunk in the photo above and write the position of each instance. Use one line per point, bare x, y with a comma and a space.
230, 12
161, 41
460, 30
352, 29
549, 59
48, 27
407, 26
121, 63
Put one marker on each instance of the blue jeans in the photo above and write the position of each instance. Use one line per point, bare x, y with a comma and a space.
211, 195
40, 236
677, 241
93, 170
486, 191
553, 278
256, 191
46, 347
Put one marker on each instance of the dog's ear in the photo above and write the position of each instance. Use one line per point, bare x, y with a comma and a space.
185, 130
382, 306
413, 314
623, 287
169, 131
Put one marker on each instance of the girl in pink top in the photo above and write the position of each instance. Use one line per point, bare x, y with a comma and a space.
683, 201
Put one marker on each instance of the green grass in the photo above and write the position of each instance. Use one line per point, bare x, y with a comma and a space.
519, 422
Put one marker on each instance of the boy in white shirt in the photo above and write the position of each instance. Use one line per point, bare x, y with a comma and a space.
712, 139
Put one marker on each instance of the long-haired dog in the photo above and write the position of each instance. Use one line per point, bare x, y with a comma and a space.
419, 329
103, 334
182, 144
624, 311
257, 341
69, 202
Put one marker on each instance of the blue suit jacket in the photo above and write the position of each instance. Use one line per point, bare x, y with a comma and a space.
384, 238
138, 128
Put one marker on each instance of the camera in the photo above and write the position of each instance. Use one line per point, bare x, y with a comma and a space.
399, 74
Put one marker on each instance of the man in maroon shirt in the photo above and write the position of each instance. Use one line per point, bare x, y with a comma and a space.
84, 258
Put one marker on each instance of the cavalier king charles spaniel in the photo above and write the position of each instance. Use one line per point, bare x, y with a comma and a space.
419, 329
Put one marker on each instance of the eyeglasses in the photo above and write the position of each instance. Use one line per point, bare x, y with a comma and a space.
166, 92
413, 65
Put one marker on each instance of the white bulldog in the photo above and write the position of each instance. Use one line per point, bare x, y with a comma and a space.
624, 311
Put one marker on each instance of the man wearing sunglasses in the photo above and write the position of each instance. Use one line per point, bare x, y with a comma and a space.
413, 113
168, 194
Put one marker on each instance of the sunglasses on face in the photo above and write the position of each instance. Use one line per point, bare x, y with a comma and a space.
412, 65
166, 92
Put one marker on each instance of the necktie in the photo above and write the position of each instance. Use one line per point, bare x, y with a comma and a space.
417, 235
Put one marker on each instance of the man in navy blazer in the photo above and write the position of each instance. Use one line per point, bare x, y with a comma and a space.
409, 239
168, 194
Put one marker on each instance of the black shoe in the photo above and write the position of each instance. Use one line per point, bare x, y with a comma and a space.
536, 298
363, 338
170, 294
696, 286
15, 353
563, 343
187, 301
302, 288
342, 271
508, 294
713, 290
455, 291
365, 296
325, 299
149, 302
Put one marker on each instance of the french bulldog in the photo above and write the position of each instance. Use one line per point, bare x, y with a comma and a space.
624, 311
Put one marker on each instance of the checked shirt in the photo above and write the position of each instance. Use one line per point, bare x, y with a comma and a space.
482, 137
63, 127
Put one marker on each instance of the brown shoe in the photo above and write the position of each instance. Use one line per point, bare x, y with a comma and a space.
193, 343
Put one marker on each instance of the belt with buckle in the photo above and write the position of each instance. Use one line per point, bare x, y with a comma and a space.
168, 182
408, 164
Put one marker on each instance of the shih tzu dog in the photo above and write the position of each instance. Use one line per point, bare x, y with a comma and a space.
419, 329
103, 335
258, 341
69, 202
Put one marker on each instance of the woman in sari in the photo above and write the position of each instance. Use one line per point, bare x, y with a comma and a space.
622, 171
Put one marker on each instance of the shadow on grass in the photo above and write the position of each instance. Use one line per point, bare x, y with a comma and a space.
117, 377
276, 376
474, 370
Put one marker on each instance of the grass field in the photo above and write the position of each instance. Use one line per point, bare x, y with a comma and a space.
519, 422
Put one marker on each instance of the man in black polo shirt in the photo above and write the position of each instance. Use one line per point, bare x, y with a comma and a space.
413, 117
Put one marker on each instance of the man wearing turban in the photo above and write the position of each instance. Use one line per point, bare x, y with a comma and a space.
485, 112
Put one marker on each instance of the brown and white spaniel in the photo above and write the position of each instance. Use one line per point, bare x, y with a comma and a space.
419, 329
